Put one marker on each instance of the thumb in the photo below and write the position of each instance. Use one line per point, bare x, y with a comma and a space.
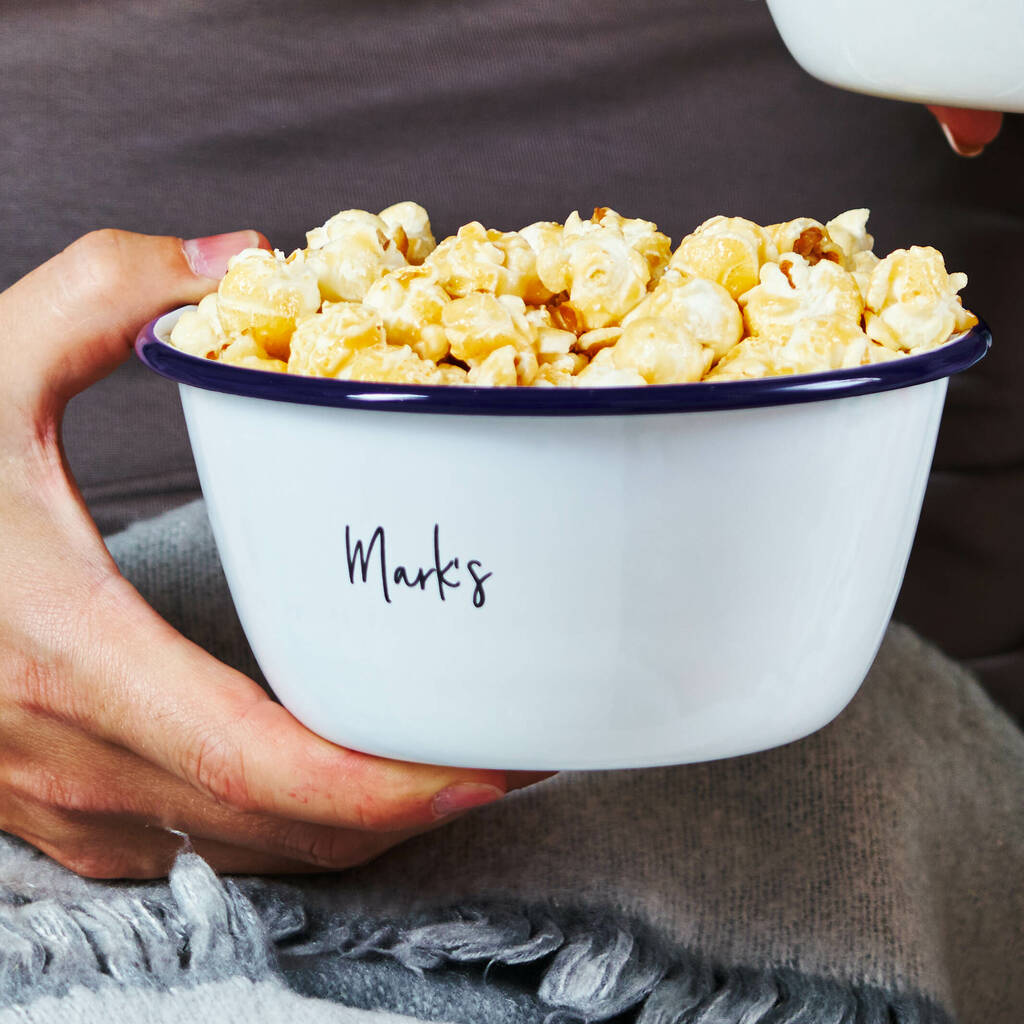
968, 131
73, 319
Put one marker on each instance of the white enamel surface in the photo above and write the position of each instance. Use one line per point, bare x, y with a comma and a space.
967, 53
665, 588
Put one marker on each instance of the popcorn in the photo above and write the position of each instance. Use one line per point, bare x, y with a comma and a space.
727, 250
607, 278
452, 375
391, 364
604, 272
265, 296
600, 302
547, 240
482, 260
793, 290
199, 332
414, 224
661, 351
850, 232
497, 370
559, 370
505, 367
815, 345
548, 339
879, 354
345, 224
603, 373
324, 344
912, 303
704, 308
592, 342
808, 238
862, 266
352, 251
642, 235
245, 352
479, 324
752, 358
411, 304
522, 278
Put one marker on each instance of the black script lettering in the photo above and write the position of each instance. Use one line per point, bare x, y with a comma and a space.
442, 579
419, 580
358, 554
478, 579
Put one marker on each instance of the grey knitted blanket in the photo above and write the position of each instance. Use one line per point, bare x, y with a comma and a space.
872, 873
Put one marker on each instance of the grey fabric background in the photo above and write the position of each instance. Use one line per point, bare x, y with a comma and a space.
885, 850
235, 1001
864, 875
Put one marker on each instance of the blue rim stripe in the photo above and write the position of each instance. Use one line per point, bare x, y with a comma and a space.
905, 372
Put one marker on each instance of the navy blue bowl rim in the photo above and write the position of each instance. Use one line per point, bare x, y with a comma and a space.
903, 372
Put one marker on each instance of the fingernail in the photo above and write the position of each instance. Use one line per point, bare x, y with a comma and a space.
462, 796
208, 257
957, 147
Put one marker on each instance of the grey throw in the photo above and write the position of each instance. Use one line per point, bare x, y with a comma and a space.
869, 873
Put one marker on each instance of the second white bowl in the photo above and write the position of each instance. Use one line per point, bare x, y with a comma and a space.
963, 53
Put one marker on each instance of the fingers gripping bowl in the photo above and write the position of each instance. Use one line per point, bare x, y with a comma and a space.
542, 578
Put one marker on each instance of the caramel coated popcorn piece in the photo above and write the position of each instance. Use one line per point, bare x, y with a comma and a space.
862, 267
497, 370
793, 290
391, 364
879, 353
245, 352
452, 375
661, 351
602, 372
414, 224
808, 238
352, 251
559, 370
547, 338
704, 308
727, 250
481, 260
850, 232
411, 303
265, 296
642, 235
199, 332
522, 278
912, 303
324, 344
592, 342
815, 345
607, 278
480, 324
547, 240
752, 358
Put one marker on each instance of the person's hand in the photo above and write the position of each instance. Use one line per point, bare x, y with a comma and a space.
113, 727
968, 131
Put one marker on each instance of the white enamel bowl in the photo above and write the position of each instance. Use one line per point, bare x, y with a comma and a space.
964, 53
666, 574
